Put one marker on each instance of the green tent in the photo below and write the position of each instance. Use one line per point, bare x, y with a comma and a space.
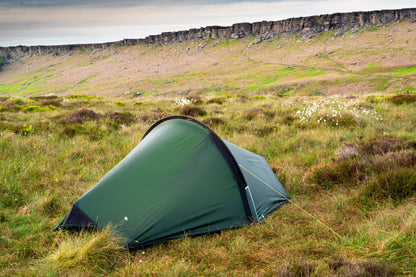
180, 179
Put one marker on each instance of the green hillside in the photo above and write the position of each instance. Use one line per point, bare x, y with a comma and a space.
334, 115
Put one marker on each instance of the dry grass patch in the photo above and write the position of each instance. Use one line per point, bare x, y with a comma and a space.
87, 254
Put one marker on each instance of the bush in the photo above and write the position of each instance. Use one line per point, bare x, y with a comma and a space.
253, 113
26, 129
1, 62
83, 97
382, 145
264, 130
216, 100
342, 172
396, 184
402, 99
213, 121
33, 108
404, 158
340, 119
70, 130
152, 117
192, 110
122, 118
81, 116
9, 106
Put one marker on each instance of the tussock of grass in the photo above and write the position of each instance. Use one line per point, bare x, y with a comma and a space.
403, 99
192, 110
213, 121
153, 116
396, 184
216, 100
80, 116
380, 145
87, 254
125, 118
357, 163
83, 97
337, 173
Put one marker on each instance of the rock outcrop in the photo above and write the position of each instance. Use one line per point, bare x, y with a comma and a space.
305, 26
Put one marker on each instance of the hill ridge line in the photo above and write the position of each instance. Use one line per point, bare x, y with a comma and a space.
305, 26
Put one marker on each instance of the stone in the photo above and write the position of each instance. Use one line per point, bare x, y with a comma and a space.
304, 26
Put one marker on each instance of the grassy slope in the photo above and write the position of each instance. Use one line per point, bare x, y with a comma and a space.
333, 154
359, 62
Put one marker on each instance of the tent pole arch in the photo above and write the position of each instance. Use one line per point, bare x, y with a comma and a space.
225, 152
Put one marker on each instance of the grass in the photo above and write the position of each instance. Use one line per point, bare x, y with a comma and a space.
343, 164
88, 78
405, 71
345, 155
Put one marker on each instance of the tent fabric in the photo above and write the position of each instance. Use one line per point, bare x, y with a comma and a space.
180, 179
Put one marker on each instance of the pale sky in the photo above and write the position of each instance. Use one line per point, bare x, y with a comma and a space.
48, 22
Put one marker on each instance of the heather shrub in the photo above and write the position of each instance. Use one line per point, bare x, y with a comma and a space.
402, 99
216, 100
396, 184
341, 172
213, 121
381, 145
80, 116
192, 110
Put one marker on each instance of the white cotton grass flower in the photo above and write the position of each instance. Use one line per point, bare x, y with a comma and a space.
183, 102
333, 110
126, 218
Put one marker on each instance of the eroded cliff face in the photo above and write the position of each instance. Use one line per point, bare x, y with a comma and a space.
304, 26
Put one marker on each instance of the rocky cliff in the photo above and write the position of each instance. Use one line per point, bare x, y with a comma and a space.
304, 26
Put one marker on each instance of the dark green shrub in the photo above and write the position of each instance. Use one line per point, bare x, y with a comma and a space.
70, 130
1, 62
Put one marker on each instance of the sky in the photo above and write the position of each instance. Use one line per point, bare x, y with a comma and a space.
51, 22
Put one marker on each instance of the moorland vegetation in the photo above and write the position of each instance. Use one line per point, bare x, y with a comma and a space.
339, 136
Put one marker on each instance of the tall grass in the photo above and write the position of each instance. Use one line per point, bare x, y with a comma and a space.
336, 172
